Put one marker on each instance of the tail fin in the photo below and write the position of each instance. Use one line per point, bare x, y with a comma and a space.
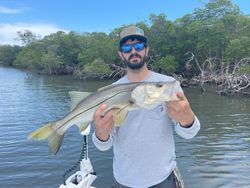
46, 132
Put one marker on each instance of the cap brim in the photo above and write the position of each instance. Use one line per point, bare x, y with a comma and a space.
139, 37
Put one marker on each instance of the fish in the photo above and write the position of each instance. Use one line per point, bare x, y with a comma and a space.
122, 98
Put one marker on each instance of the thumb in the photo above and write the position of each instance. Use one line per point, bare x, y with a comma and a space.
181, 95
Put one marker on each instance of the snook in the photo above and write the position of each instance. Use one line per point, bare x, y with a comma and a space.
121, 97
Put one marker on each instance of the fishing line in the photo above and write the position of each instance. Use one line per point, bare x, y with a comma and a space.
84, 154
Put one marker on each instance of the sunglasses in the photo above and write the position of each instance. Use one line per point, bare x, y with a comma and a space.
139, 46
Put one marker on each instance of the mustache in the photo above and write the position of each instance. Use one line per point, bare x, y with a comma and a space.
134, 55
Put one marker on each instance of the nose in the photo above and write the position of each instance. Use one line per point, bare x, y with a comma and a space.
133, 50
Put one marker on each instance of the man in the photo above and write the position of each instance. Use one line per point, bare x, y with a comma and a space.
144, 149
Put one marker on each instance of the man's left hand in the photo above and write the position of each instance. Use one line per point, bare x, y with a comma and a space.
180, 111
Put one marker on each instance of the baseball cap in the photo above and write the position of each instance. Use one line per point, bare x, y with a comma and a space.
132, 31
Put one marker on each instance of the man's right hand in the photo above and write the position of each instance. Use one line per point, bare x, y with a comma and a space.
103, 124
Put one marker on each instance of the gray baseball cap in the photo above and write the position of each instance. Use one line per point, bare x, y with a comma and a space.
132, 31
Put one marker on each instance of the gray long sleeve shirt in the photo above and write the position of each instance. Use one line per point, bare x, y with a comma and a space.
144, 148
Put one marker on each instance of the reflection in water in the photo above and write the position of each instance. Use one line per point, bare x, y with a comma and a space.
220, 153
218, 157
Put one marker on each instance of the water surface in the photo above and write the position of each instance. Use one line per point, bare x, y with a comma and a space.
219, 156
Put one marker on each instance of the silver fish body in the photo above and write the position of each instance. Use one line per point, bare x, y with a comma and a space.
122, 97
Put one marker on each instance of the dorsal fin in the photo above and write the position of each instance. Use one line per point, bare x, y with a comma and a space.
76, 97
105, 87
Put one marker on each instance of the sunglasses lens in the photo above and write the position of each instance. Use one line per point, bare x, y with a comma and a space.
139, 46
126, 48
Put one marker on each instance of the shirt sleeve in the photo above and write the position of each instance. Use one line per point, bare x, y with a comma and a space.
102, 145
189, 132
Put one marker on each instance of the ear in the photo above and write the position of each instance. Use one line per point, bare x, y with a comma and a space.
120, 55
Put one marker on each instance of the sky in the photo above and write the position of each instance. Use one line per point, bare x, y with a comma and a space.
43, 17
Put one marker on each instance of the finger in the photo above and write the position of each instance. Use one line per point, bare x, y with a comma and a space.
108, 116
107, 122
110, 122
181, 95
171, 109
172, 103
99, 111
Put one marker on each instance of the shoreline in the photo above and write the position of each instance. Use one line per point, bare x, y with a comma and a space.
194, 82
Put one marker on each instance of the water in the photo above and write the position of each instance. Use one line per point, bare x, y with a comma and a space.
219, 156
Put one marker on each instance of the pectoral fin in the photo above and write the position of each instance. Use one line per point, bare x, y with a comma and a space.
119, 116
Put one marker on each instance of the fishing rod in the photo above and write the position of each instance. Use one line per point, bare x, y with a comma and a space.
85, 176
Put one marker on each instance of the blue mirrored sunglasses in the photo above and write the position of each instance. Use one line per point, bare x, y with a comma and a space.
126, 48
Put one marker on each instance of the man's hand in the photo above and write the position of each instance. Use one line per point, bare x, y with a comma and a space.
180, 111
103, 124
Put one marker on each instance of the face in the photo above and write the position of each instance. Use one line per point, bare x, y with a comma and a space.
133, 53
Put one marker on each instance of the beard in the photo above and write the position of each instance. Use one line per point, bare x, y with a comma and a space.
137, 65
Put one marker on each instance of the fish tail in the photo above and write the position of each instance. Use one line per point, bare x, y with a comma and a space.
46, 132
42, 133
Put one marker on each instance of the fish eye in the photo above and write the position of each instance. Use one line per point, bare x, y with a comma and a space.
159, 84
131, 102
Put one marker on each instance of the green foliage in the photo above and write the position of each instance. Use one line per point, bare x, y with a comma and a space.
97, 66
26, 37
213, 31
52, 64
96, 45
66, 46
162, 35
216, 30
244, 70
29, 58
8, 54
238, 48
215, 10
166, 65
